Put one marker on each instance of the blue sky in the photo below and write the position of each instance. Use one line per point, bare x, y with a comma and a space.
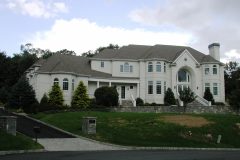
83, 25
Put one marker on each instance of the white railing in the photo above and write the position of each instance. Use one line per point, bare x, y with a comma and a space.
179, 100
133, 101
203, 101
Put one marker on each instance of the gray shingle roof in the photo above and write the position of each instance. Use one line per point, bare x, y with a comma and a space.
60, 63
165, 52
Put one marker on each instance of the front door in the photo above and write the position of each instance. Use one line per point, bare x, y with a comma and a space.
122, 92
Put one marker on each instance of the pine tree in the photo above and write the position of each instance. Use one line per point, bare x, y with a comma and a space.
22, 96
208, 95
80, 98
56, 96
44, 99
169, 98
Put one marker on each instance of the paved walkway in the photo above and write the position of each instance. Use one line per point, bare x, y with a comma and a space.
75, 144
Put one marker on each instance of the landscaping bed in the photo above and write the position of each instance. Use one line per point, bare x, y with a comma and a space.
18, 142
155, 130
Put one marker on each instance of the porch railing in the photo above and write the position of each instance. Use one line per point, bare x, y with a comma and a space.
202, 100
133, 101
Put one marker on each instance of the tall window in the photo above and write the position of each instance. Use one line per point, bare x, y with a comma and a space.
214, 69
72, 84
207, 86
158, 87
215, 89
121, 68
150, 67
126, 67
65, 84
164, 67
150, 87
55, 81
165, 86
102, 64
206, 70
158, 67
131, 68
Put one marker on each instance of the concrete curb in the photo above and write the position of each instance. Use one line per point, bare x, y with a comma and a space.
2, 153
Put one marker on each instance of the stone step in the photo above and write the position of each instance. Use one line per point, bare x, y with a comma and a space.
127, 103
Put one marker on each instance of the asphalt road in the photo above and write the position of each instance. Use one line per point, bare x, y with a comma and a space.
128, 155
25, 126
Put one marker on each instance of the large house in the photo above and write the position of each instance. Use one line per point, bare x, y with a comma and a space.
136, 71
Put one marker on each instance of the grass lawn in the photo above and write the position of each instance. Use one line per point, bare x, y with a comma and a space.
19, 142
150, 129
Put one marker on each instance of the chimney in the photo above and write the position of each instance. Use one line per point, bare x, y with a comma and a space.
214, 50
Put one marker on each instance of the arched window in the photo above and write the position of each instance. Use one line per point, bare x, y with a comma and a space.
72, 84
65, 84
183, 76
214, 69
126, 67
164, 67
158, 67
55, 81
150, 67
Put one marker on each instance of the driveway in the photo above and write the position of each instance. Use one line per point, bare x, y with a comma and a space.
25, 126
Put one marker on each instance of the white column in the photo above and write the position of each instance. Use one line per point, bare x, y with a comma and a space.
138, 91
110, 84
97, 84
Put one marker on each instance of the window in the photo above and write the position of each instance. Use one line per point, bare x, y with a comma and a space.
126, 67
150, 67
207, 71
131, 87
102, 64
65, 84
131, 68
72, 84
183, 76
164, 67
165, 86
158, 67
150, 87
55, 81
159, 87
215, 89
121, 68
207, 86
214, 69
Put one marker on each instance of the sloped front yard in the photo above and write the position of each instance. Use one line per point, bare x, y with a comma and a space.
149, 129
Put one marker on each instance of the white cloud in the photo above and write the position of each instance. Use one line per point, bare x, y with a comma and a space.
232, 55
207, 20
37, 8
82, 35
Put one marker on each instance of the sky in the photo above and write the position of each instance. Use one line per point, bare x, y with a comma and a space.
83, 25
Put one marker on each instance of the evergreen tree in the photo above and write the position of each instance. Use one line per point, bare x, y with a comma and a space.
44, 99
169, 98
187, 96
208, 95
80, 98
56, 96
22, 96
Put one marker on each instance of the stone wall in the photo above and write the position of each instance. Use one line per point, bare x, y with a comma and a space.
175, 109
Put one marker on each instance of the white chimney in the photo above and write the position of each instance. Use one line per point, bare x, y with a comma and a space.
214, 50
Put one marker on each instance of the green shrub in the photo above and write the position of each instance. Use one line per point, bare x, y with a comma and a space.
169, 98
4, 95
80, 98
187, 96
44, 99
208, 96
106, 96
56, 96
139, 102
